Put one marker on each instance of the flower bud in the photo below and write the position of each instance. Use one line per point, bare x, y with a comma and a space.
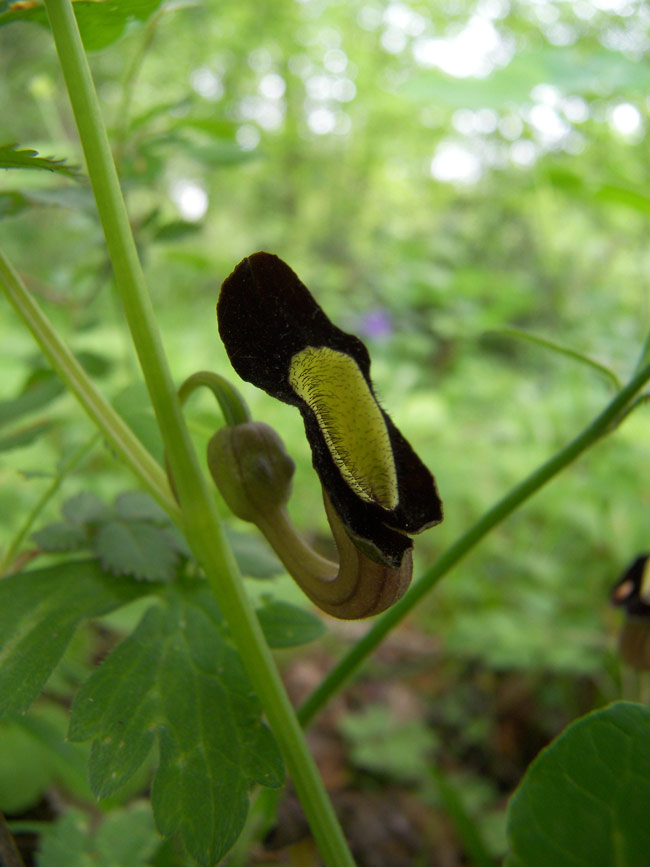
251, 469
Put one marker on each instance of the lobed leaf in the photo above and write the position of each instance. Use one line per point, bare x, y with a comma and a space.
178, 680
39, 612
84, 508
136, 548
124, 837
60, 536
139, 506
583, 801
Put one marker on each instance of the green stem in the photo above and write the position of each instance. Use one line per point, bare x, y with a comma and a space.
601, 425
204, 532
232, 404
44, 499
118, 435
562, 350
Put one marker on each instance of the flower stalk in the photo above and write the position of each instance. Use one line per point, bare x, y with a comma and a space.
204, 532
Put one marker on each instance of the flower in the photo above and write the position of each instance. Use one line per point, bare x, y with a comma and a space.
278, 338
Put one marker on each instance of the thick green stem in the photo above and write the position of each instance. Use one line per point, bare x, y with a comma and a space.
601, 425
204, 533
118, 435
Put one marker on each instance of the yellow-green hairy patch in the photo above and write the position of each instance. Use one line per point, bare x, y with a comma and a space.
334, 388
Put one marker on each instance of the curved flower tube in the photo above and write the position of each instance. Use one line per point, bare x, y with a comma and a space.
253, 472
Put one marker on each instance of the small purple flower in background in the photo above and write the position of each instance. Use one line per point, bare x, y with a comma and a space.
376, 324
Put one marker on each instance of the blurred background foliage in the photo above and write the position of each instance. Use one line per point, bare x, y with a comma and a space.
436, 172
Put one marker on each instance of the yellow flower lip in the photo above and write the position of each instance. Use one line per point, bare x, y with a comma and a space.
349, 417
278, 338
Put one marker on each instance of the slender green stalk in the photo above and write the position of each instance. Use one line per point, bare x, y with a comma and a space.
44, 499
204, 532
601, 425
563, 350
233, 406
118, 435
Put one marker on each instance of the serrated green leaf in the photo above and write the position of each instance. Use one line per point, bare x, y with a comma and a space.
100, 23
178, 679
60, 536
139, 506
584, 800
39, 611
254, 556
286, 625
11, 157
136, 548
41, 388
84, 508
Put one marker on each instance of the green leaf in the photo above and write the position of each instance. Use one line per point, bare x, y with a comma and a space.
176, 230
100, 23
60, 536
39, 611
584, 800
381, 743
140, 506
65, 843
24, 437
136, 548
179, 681
254, 556
41, 388
26, 158
84, 508
286, 625
125, 837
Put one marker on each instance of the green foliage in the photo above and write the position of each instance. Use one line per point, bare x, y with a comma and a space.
178, 681
39, 612
284, 625
584, 799
100, 24
124, 837
133, 538
383, 744
11, 157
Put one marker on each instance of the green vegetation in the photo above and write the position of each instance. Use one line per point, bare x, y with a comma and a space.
466, 187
